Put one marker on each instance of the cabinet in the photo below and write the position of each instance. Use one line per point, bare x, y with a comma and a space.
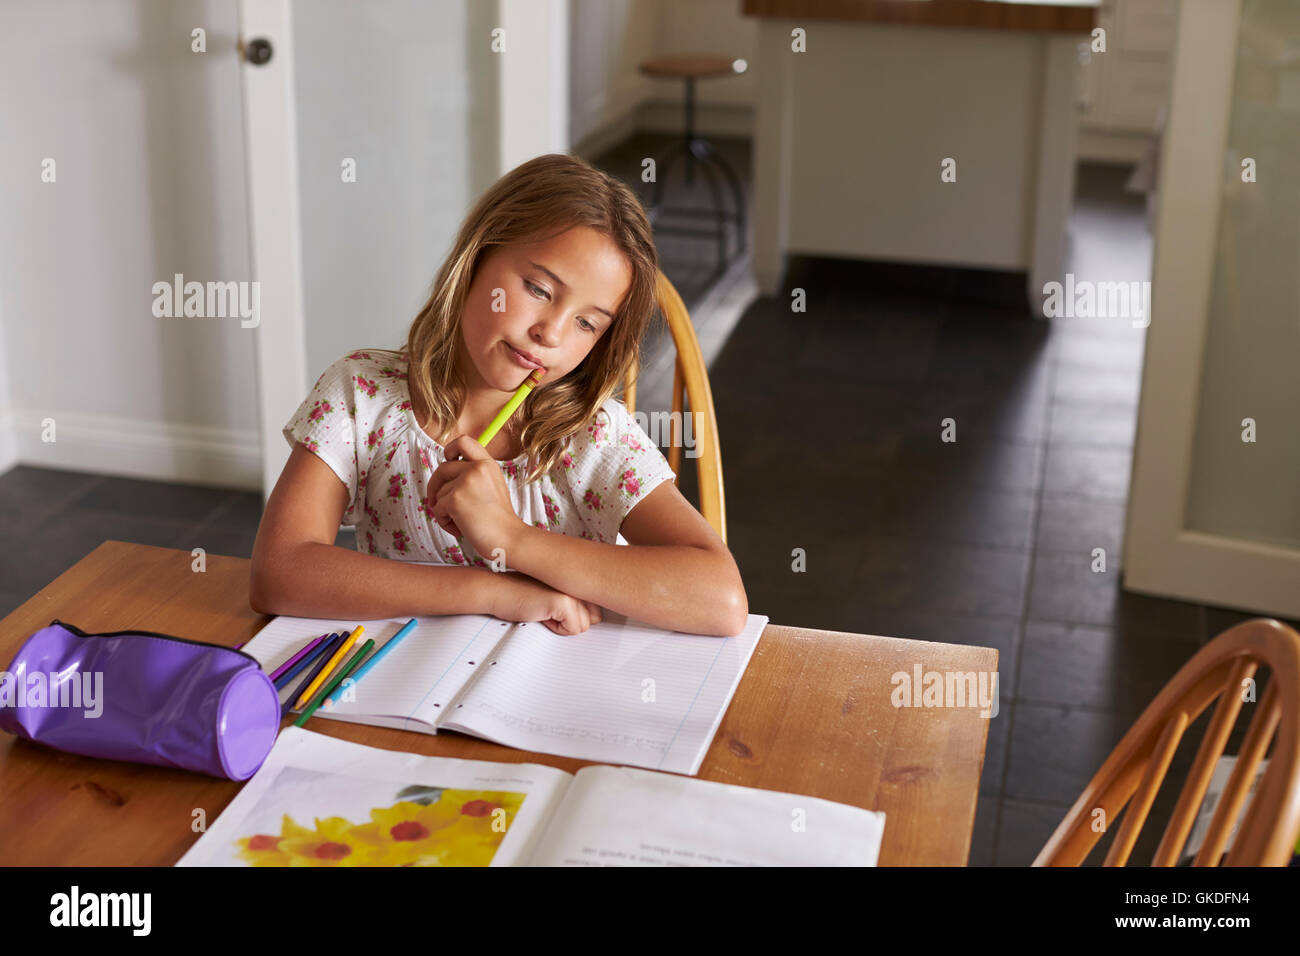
1125, 90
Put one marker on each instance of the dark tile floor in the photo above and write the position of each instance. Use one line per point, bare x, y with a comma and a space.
984, 541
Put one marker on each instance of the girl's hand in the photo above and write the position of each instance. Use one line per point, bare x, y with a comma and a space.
520, 598
470, 499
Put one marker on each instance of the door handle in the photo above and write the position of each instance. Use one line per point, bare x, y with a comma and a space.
257, 52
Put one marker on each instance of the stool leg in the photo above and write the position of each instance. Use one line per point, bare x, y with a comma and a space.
663, 164
720, 209
690, 129
737, 195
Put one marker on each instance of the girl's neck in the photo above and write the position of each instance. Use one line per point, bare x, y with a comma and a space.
473, 419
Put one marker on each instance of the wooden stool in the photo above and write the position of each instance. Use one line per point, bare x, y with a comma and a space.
691, 67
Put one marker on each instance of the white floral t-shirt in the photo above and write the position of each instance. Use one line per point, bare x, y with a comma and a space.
358, 419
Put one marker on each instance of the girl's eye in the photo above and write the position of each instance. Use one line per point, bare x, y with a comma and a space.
535, 289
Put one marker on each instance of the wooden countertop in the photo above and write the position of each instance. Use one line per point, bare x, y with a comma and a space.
1040, 17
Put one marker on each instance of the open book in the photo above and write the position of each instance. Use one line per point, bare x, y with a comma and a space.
620, 692
319, 801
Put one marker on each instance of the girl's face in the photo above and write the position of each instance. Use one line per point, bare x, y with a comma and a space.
555, 300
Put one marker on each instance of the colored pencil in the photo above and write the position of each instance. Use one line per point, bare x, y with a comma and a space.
329, 668
279, 671
326, 650
534, 378
353, 663
407, 628
307, 660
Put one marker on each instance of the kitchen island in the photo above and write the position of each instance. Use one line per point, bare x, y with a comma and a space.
925, 131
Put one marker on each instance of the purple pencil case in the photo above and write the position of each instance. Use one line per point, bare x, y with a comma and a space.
143, 697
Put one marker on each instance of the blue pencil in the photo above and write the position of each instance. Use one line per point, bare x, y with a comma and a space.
306, 660
328, 648
407, 628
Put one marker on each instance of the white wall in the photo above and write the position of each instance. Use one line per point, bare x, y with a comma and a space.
609, 98
407, 89
146, 136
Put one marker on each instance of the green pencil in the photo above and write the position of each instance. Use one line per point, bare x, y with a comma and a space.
352, 665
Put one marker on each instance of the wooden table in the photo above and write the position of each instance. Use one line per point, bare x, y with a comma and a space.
812, 715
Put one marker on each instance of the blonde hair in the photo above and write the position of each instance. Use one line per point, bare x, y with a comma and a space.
536, 201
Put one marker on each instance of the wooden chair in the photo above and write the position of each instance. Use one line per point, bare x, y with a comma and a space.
690, 368
1132, 774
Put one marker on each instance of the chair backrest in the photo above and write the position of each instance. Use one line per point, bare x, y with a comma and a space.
689, 369
1132, 774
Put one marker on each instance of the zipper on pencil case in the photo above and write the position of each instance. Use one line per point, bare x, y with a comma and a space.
167, 637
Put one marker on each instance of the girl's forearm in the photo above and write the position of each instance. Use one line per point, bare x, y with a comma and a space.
311, 579
678, 588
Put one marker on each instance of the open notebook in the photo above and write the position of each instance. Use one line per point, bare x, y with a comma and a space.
620, 692
318, 801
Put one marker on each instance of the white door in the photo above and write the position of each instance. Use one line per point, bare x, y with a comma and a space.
1214, 511
370, 131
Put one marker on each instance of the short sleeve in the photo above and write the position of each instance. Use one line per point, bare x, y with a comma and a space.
327, 425
615, 466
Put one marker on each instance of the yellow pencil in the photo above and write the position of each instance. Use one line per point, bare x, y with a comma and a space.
324, 675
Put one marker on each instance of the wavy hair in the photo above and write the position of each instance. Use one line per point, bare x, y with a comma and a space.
537, 200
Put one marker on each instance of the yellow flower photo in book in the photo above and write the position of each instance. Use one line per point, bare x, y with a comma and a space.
427, 826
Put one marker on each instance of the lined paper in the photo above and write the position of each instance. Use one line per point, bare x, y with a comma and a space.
620, 692
413, 684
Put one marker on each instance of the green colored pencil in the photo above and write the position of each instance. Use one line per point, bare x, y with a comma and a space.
352, 665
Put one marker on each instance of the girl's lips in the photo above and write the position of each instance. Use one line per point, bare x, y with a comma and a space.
519, 359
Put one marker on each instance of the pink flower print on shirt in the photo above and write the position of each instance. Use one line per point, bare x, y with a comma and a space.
366, 385
566, 461
360, 355
588, 535
400, 540
370, 542
320, 410
375, 437
591, 499
372, 514
389, 372
480, 563
425, 508
510, 469
552, 509
388, 459
311, 444
629, 484
424, 459
541, 525
597, 432
405, 406
454, 553
396, 482
631, 442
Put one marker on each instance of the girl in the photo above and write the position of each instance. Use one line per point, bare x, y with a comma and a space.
553, 269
